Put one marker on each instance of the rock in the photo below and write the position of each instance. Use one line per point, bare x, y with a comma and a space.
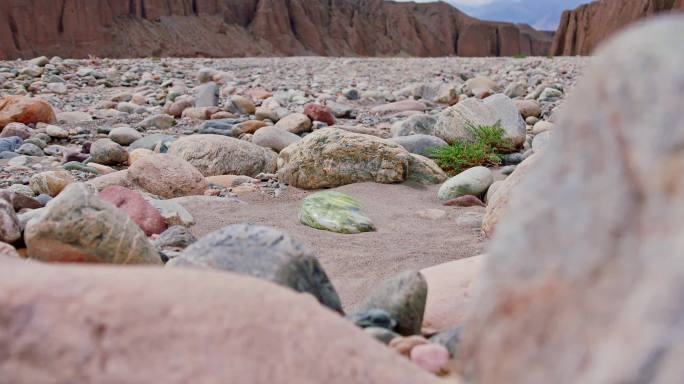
172, 212
263, 113
50, 183
150, 142
586, 258
541, 141
7, 251
25, 110
177, 108
213, 318
514, 90
332, 157
470, 220
167, 176
243, 105
107, 152
334, 211
30, 149
420, 144
382, 335
481, 87
215, 155
425, 171
296, 123
21, 189
433, 358
509, 118
10, 144
73, 117
274, 138
56, 132
10, 231
119, 178
542, 126
404, 345
473, 181
403, 297
373, 318
450, 288
420, 124
339, 110
400, 106
138, 154
139, 210
453, 123
124, 135
78, 227
19, 201
161, 121
528, 108
449, 339
15, 129
264, 253
199, 113
249, 126
176, 238
466, 201
207, 95
550, 94
317, 112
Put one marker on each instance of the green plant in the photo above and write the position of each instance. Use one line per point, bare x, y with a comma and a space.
519, 56
484, 147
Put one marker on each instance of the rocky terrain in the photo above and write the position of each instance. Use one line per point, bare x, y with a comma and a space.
313, 219
581, 30
230, 28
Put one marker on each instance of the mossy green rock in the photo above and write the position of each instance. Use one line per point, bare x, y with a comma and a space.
334, 211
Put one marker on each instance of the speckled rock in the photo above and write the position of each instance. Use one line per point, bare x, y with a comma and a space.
167, 176
425, 171
107, 152
50, 183
334, 211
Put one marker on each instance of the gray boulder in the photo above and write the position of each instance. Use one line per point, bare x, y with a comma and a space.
420, 144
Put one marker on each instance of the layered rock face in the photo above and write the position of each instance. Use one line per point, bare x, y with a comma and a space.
582, 29
223, 28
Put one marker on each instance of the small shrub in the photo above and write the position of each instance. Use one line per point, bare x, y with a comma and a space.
485, 147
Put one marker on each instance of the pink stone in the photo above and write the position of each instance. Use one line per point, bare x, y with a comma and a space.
317, 112
431, 357
135, 206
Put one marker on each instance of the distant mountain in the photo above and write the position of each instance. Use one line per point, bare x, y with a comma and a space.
541, 14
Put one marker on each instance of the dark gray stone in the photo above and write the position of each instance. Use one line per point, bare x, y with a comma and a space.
150, 142
420, 144
373, 318
382, 335
10, 144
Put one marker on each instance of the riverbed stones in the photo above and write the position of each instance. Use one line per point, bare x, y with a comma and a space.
25, 110
10, 231
508, 117
454, 123
417, 124
334, 211
296, 123
264, 253
139, 210
79, 227
423, 170
332, 157
124, 135
167, 176
107, 152
473, 181
274, 138
50, 183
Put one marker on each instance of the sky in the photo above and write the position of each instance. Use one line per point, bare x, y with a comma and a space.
541, 14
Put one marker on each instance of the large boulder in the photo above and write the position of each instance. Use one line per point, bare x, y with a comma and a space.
265, 253
166, 176
583, 281
332, 157
454, 123
78, 324
25, 110
77, 226
420, 144
216, 155
509, 118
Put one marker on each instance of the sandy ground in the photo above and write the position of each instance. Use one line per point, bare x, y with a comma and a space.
356, 263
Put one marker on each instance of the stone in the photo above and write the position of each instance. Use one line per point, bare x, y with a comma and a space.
433, 358
334, 211
249, 126
10, 231
450, 292
243, 104
466, 201
124, 135
138, 154
263, 113
550, 94
274, 138
403, 297
161, 121
296, 123
215, 155
528, 108
473, 181
177, 108
419, 124
586, 258
167, 176
420, 144
50, 183
7, 251
317, 112
332, 157
264, 253
78, 227
30, 149
400, 106
172, 212
19, 201
542, 126
425, 171
481, 87
199, 113
56, 132
25, 110
404, 345
509, 118
207, 95
73, 117
382, 335
373, 318
449, 339
16, 129
119, 178
92, 314
514, 90
454, 123
150, 141
107, 152
339, 110
175, 238
541, 141
10, 144
21, 189
139, 210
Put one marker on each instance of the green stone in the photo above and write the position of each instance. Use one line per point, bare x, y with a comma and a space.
76, 166
335, 212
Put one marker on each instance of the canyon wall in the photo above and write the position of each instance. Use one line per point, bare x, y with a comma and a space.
235, 28
582, 29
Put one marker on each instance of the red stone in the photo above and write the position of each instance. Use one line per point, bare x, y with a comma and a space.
25, 110
317, 112
465, 201
135, 206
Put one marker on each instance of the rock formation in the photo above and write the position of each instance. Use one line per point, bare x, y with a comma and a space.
582, 29
228, 28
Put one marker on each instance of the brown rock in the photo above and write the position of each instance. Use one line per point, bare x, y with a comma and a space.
16, 129
243, 105
481, 87
167, 176
465, 201
528, 108
50, 183
19, 201
139, 210
317, 112
258, 93
249, 126
178, 326
176, 108
25, 110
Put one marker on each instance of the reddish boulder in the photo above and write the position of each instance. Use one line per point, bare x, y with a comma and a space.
136, 207
465, 201
25, 110
317, 112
